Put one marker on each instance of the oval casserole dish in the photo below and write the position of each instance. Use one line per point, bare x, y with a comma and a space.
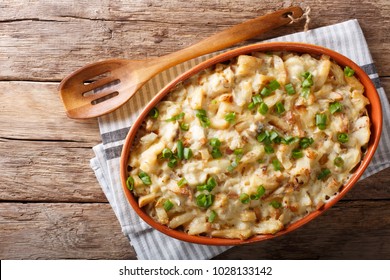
374, 112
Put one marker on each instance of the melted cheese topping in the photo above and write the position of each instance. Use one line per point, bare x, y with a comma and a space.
272, 166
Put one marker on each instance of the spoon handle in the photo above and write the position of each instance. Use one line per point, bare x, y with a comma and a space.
228, 37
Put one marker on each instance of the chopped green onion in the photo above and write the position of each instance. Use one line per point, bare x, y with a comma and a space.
280, 108
154, 113
211, 182
260, 192
168, 205
203, 187
296, 153
277, 165
204, 122
230, 117
265, 91
308, 77
130, 183
145, 178
256, 99
348, 71
273, 85
182, 182
289, 89
286, 140
212, 216
251, 106
244, 198
263, 108
306, 84
216, 152
204, 200
275, 204
342, 137
323, 174
202, 116
200, 113
321, 121
268, 149
172, 162
273, 135
238, 151
306, 74
166, 153
179, 116
187, 153
262, 136
338, 161
278, 140
215, 142
185, 126
289, 140
335, 107
233, 165
305, 142
305, 93
176, 117
180, 149
230, 168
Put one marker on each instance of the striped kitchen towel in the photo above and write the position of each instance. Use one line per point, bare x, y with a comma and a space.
346, 38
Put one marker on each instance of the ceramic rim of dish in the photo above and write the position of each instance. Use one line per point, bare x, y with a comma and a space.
374, 112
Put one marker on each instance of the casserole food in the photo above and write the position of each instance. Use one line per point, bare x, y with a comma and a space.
253, 146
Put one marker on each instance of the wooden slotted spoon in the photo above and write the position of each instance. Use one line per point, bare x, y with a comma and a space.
117, 80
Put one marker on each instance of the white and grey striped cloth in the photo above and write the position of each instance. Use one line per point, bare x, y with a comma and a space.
346, 38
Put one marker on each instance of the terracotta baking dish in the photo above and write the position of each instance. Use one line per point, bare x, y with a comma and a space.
374, 110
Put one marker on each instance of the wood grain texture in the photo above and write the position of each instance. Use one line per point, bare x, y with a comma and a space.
47, 171
349, 230
46, 41
33, 111
61, 231
51, 206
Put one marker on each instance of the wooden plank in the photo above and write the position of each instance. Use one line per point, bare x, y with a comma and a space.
349, 230
49, 41
47, 171
61, 231
91, 231
45, 117
52, 163
373, 187
60, 171
44, 156
33, 110
385, 82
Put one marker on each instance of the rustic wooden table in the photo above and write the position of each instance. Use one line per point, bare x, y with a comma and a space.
51, 206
